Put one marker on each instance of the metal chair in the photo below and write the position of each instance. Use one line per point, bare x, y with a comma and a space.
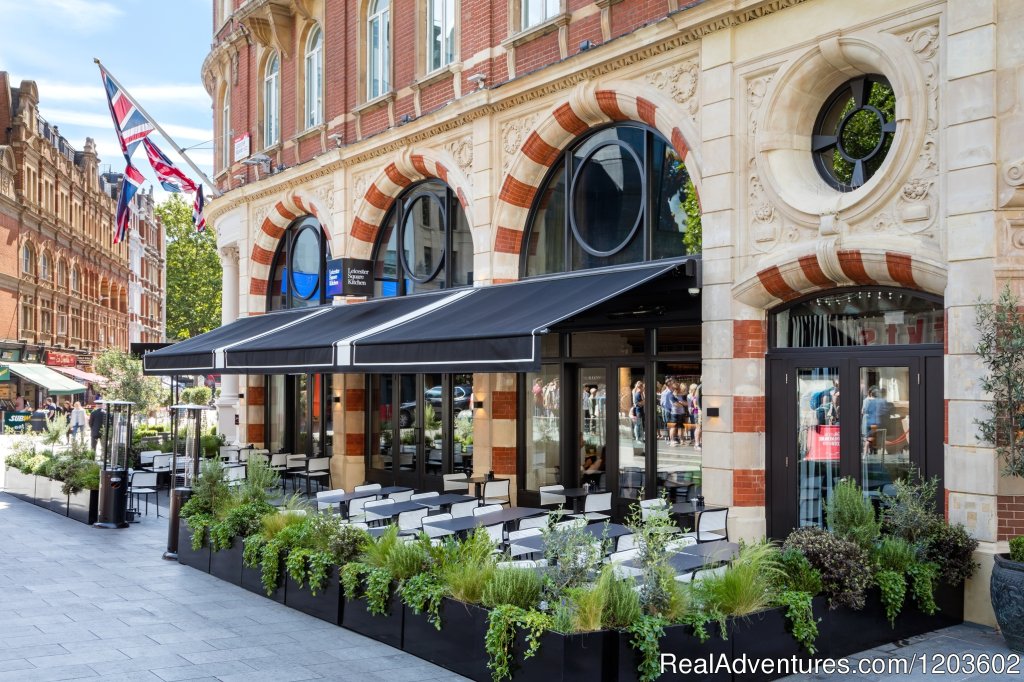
365, 487
431, 530
411, 520
377, 510
455, 483
355, 508
404, 496
423, 496
594, 504
551, 496
320, 506
143, 484
318, 469
534, 522
711, 526
496, 492
460, 509
657, 505
487, 509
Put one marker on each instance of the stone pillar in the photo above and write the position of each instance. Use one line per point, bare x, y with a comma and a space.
227, 403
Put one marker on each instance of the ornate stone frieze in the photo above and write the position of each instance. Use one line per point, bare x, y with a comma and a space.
680, 82
361, 183
461, 150
513, 134
765, 222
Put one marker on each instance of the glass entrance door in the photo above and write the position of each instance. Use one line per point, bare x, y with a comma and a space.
835, 417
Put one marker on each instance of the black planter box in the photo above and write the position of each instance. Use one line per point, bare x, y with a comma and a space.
458, 646
252, 580
586, 657
680, 642
188, 556
762, 636
58, 500
325, 605
387, 628
82, 506
226, 563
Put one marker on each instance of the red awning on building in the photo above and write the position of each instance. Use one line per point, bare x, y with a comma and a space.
81, 374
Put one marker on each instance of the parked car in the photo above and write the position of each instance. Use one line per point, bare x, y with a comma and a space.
461, 401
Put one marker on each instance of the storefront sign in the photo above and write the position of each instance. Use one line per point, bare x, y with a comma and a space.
6, 390
55, 359
18, 421
10, 355
241, 147
823, 443
350, 277
5, 373
31, 356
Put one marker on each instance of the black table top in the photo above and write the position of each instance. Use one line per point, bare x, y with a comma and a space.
688, 508
395, 508
484, 479
446, 498
470, 522
598, 530
573, 492
348, 497
691, 558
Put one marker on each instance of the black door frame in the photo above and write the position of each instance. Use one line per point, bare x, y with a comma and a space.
781, 458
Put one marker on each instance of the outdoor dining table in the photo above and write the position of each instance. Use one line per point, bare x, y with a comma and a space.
479, 481
694, 557
396, 508
445, 500
344, 498
576, 495
467, 523
537, 543
688, 509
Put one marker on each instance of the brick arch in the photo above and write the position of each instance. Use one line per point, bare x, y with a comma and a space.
412, 165
293, 205
828, 268
587, 106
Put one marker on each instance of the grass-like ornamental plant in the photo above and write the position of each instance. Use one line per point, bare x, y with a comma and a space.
516, 586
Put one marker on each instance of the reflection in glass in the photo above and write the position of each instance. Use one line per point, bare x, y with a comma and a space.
678, 460
607, 199
277, 412
671, 184
607, 343
462, 418
381, 424
817, 392
860, 318
316, 413
592, 389
462, 250
884, 427
542, 434
630, 432
305, 274
423, 241
409, 422
301, 413
329, 408
433, 422
546, 248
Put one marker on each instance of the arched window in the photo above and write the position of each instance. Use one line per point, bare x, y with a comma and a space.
225, 128
62, 273
619, 195
45, 271
297, 275
378, 49
436, 250
271, 102
440, 34
76, 279
28, 260
314, 78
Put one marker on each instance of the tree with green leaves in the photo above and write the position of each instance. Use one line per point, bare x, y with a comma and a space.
193, 272
1001, 349
125, 381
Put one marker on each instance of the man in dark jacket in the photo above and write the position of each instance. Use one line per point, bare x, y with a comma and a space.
96, 421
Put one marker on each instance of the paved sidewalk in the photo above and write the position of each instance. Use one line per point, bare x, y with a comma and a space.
78, 602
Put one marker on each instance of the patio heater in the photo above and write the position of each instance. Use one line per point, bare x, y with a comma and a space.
117, 437
186, 448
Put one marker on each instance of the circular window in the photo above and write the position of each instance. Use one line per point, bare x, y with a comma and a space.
607, 199
854, 131
423, 238
305, 273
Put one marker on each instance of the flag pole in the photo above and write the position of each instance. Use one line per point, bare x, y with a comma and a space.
160, 130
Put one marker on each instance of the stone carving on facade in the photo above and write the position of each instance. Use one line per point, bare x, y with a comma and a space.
229, 253
325, 197
361, 183
461, 150
260, 213
765, 221
680, 82
513, 134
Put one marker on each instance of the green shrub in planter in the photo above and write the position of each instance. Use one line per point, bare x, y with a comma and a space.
1017, 549
952, 549
851, 516
844, 566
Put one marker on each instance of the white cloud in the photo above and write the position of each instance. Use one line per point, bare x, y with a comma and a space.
85, 15
103, 121
181, 94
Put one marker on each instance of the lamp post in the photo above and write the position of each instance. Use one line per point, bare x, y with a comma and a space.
117, 437
186, 430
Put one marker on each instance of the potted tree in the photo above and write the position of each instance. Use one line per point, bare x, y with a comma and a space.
1001, 349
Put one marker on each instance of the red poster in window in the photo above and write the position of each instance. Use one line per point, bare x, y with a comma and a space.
823, 443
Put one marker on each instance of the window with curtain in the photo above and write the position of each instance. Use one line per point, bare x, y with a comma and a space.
538, 11
272, 102
314, 78
440, 34
378, 48
424, 244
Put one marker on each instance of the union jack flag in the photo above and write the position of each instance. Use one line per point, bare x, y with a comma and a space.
130, 124
198, 219
167, 173
130, 183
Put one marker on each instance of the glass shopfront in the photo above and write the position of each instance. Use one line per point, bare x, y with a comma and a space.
854, 389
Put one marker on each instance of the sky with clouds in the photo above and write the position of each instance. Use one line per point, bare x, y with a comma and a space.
153, 47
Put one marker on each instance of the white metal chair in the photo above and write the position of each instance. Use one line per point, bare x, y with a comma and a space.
234, 475
657, 505
229, 453
496, 492
317, 469
571, 523
433, 531
679, 544
460, 509
161, 463
625, 542
711, 526
487, 509
355, 508
365, 487
143, 484
534, 522
496, 532
517, 550
701, 574
377, 510
594, 504
616, 559
401, 497
146, 457
411, 520
455, 482
551, 495
279, 462
320, 506
423, 496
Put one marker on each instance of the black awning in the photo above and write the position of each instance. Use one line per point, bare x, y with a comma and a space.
200, 354
309, 346
497, 328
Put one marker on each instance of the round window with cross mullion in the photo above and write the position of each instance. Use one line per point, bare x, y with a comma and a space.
854, 131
